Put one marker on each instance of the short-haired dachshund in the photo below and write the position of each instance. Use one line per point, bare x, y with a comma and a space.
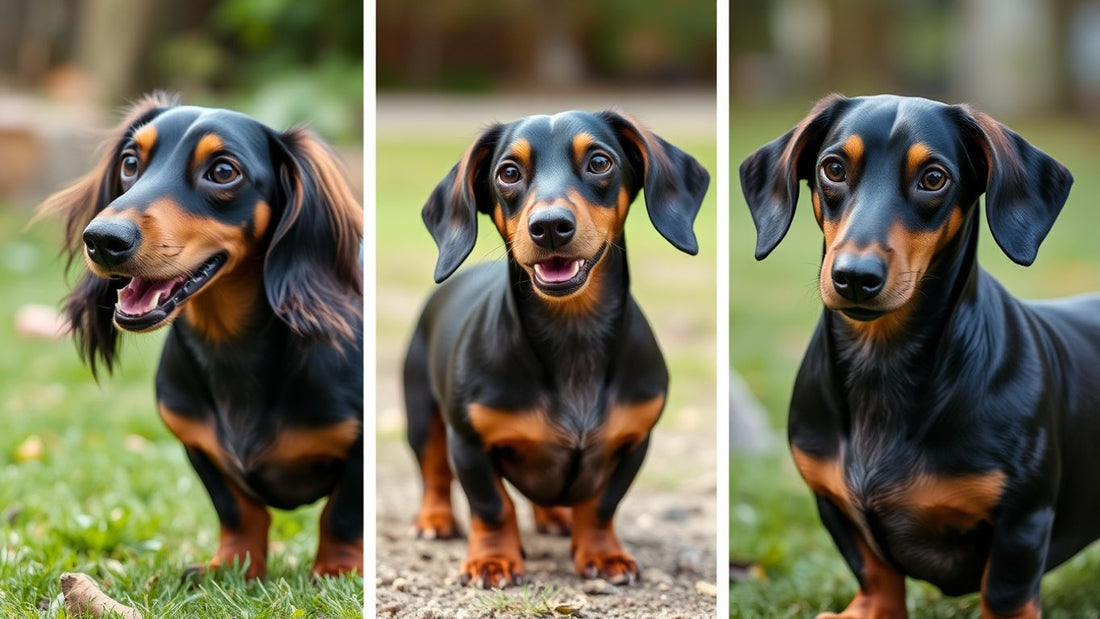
247, 241
947, 429
541, 369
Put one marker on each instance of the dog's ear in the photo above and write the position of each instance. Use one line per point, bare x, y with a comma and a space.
1025, 188
313, 271
769, 176
450, 213
674, 182
89, 307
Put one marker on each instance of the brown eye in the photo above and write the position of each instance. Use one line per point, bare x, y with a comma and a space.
222, 172
128, 166
933, 179
509, 174
599, 164
833, 170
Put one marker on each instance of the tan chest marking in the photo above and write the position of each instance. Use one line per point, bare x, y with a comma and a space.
956, 502
330, 441
512, 428
194, 434
629, 424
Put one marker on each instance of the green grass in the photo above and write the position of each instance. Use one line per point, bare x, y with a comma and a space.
773, 309
111, 493
528, 601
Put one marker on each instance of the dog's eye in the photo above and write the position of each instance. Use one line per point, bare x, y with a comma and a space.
933, 179
833, 170
222, 172
599, 164
128, 166
509, 174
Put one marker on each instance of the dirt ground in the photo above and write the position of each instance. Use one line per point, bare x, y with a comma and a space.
669, 530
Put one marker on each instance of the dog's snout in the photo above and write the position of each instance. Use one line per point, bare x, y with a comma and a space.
111, 242
859, 277
552, 227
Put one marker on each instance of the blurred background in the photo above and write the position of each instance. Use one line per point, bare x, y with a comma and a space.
89, 478
1035, 66
446, 70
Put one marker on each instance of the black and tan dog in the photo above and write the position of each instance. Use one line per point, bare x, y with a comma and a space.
247, 241
542, 369
947, 429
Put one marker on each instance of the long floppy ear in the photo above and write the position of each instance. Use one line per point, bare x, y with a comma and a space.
674, 181
450, 213
89, 307
1025, 188
313, 271
769, 176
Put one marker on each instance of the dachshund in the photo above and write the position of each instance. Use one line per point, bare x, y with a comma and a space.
541, 369
247, 242
947, 429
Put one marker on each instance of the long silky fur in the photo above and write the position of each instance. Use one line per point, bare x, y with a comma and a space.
313, 273
89, 306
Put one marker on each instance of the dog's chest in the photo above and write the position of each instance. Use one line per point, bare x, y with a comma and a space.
555, 454
933, 525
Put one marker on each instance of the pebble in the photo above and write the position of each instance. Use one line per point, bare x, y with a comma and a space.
655, 575
400, 584
706, 588
598, 586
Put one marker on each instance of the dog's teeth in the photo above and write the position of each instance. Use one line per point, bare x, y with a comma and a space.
575, 269
154, 302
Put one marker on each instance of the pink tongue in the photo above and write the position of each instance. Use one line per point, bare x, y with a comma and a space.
141, 296
556, 270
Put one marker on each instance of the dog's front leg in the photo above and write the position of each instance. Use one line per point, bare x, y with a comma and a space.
495, 553
340, 548
597, 552
881, 592
244, 520
1010, 584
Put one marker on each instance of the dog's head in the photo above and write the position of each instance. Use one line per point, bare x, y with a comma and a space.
209, 212
891, 181
558, 189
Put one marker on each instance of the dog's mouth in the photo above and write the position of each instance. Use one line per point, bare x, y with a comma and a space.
561, 276
861, 314
145, 304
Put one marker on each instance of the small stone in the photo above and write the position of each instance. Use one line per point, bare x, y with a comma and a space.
400, 584
655, 575
598, 586
708, 589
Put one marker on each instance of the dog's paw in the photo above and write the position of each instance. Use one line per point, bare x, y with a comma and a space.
553, 520
616, 567
253, 569
336, 557
436, 524
493, 572
335, 568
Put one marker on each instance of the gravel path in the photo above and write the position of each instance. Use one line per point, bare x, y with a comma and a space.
669, 530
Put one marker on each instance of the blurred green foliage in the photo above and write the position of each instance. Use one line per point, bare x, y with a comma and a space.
284, 61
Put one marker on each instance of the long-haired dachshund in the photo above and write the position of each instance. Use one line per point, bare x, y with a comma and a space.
541, 370
947, 429
246, 240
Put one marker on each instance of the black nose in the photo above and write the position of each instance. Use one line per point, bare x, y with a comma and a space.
553, 227
858, 277
111, 242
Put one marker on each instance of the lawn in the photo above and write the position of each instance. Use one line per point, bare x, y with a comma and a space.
91, 481
773, 310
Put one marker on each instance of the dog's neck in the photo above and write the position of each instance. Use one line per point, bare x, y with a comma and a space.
886, 376
574, 339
